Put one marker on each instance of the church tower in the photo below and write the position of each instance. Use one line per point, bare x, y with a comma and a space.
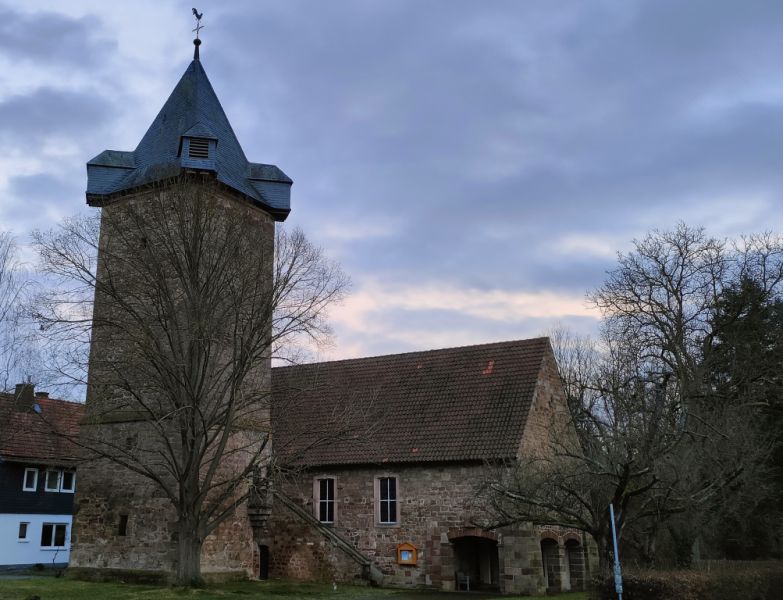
177, 411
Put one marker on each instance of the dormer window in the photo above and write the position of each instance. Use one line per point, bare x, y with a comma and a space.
198, 148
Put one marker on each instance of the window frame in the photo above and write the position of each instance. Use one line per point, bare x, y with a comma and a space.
56, 488
378, 500
26, 538
72, 489
317, 498
60, 487
53, 537
34, 488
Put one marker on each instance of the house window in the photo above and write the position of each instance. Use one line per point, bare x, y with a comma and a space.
325, 490
387, 500
52, 483
60, 481
30, 483
68, 482
53, 535
23, 528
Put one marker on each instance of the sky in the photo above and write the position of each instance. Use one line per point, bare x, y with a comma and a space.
474, 166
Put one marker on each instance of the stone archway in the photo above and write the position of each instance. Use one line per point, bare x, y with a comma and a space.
575, 564
550, 559
476, 563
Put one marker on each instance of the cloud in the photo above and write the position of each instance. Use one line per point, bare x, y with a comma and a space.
51, 37
399, 321
473, 165
375, 298
51, 113
38, 201
585, 244
348, 229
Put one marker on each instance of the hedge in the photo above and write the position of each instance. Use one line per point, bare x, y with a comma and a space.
762, 581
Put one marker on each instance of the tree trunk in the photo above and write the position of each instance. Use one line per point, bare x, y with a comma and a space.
647, 547
189, 554
604, 560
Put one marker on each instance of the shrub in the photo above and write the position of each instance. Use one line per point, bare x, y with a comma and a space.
761, 581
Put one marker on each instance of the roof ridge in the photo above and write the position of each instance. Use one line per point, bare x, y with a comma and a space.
411, 352
11, 396
76, 402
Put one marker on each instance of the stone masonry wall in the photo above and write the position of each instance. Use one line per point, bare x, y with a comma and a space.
104, 493
107, 493
433, 502
547, 421
106, 490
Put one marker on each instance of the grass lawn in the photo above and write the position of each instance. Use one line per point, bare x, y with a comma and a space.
50, 588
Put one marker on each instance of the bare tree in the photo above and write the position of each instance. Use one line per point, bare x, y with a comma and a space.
631, 447
661, 298
653, 432
19, 350
194, 294
17, 344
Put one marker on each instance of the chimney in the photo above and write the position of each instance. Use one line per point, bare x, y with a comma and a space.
25, 394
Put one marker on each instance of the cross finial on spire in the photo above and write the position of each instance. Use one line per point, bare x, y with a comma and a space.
198, 28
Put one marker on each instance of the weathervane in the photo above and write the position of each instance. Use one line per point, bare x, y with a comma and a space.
199, 27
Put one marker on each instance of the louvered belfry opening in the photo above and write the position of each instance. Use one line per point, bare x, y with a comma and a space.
198, 148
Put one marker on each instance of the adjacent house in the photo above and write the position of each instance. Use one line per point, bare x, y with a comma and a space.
37, 478
397, 494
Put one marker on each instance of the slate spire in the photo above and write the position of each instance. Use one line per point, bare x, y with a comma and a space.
191, 133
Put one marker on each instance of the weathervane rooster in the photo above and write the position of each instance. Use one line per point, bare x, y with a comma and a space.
199, 26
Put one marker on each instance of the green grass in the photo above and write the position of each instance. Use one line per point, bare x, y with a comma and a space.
50, 588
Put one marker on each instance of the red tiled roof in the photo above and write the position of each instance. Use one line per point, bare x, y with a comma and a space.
455, 404
25, 434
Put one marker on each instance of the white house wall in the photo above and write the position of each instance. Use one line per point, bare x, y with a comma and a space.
15, 552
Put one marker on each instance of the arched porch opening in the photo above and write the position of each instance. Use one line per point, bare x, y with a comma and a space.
550, 558
574, 560
476, 563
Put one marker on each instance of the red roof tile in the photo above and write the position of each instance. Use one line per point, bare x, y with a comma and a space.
455, 404
25, 434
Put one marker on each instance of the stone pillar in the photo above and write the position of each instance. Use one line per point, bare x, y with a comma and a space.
519, 557
448, 564
562, 559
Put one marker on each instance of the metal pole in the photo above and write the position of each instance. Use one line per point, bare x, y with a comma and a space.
618, 578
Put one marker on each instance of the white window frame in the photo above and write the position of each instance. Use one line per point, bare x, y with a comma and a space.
60, 486
26, 538
64, 489
54, 536
397, 502
317, 498
56, 487
34, 488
